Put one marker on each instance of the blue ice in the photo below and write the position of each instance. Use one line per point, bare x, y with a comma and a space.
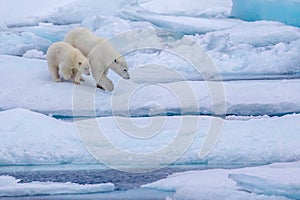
286, 11
267, 187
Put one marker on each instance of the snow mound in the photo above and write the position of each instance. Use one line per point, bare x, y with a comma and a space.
11, 187
52, 141
34, 54
287, 11
49, 141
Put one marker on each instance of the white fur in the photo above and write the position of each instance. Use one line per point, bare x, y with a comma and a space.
66, 60
101, 55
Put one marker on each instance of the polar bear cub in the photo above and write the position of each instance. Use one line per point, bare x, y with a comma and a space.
101, 54
65, 60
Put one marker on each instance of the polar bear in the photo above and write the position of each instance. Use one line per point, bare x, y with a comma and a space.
101, 55
68, 61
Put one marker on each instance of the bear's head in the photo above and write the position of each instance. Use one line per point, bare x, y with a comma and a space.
119, 65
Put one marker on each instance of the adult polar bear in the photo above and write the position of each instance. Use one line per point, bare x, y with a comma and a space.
101, 56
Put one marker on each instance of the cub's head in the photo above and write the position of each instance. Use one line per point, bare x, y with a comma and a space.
80, 62
119, 65
84, 67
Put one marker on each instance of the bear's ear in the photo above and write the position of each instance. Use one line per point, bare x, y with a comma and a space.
80, 63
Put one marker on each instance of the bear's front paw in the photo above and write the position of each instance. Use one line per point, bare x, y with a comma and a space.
100, 87
67, 77
57, 80
76, 82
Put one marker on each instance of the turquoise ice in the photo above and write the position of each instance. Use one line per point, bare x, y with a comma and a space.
286, 11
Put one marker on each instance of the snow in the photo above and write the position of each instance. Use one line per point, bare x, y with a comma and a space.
57, 12
58, 142
39, 93
258, 60
283, 11
188, 7
239, 52
183, 24
271, 49
11, 187
277, 181
55, 141
15, 11
33, 53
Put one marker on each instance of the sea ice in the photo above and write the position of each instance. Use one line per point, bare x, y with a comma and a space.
11, 187
242, 142
213, 8
259, 185
183, 24
14, 43
219, 184
39, 93
49, 141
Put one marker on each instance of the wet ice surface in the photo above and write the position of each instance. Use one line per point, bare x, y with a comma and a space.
121, 180
126, 185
